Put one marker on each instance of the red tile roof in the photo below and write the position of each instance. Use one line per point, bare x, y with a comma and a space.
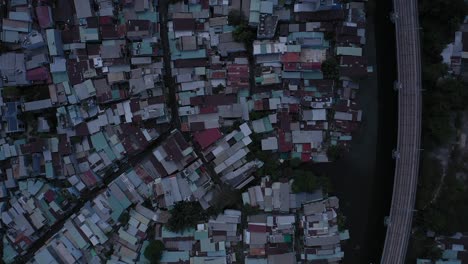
49, 196
207, 137
44, 16
209, 109
284, 144
257, 228
218, 75
184, 24
106, 20
38, 74
290, 57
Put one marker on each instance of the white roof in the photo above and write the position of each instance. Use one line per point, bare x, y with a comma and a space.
301, 136
270, 143
245, 129
343, 116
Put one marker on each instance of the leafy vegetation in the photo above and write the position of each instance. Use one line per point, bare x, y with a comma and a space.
330, 69
448, 213
439, 20
186, 215
307, 181
153, 251
244, 33
341, 221
335, 152
218, 89
271, 164
295, 163
443, 99
421, 245
235, 17
124, 218
254, 115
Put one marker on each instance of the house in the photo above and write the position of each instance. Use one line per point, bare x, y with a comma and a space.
54, 42
44, 16
10, 117
83, 8
13, 69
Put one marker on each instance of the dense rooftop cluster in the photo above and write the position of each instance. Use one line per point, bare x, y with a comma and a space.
305, 106
99, 136
306, 223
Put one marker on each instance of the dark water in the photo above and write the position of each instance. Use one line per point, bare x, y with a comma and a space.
363, 179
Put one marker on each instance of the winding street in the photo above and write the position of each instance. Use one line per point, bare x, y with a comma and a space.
409, 131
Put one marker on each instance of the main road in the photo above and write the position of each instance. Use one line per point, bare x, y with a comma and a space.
409, 131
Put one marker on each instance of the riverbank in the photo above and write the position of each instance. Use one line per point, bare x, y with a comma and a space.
363, 179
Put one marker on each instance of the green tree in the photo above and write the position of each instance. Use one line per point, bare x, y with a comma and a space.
305, 181
243, 33
185, 215
124, 218
235, 17
218, 89
153, 252
330, 69
442, 101
335, 152
341, 221
329, 35
295, 162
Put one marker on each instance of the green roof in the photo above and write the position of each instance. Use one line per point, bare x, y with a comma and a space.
317, 75
175, 256
349, 51
149, 15
142, 259
199, 235
144, 48
448, 262
116, 207
291, 75
50, 35
110, 153
99, 141
293, 48
9, 253
254, 16
267, 123
344, 235
49, 168
194, 8
449, 254
337, 255
59, 77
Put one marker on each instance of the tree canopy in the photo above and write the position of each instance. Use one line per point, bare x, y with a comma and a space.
235, 17
243, 33
335, 152
185, 215
330, 69
153, 251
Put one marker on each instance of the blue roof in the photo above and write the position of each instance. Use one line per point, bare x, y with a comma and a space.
175, 256
49, 168
450, 254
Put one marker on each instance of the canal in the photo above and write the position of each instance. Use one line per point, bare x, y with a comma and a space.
363, 179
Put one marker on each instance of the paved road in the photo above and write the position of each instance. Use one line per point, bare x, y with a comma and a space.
409, 131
